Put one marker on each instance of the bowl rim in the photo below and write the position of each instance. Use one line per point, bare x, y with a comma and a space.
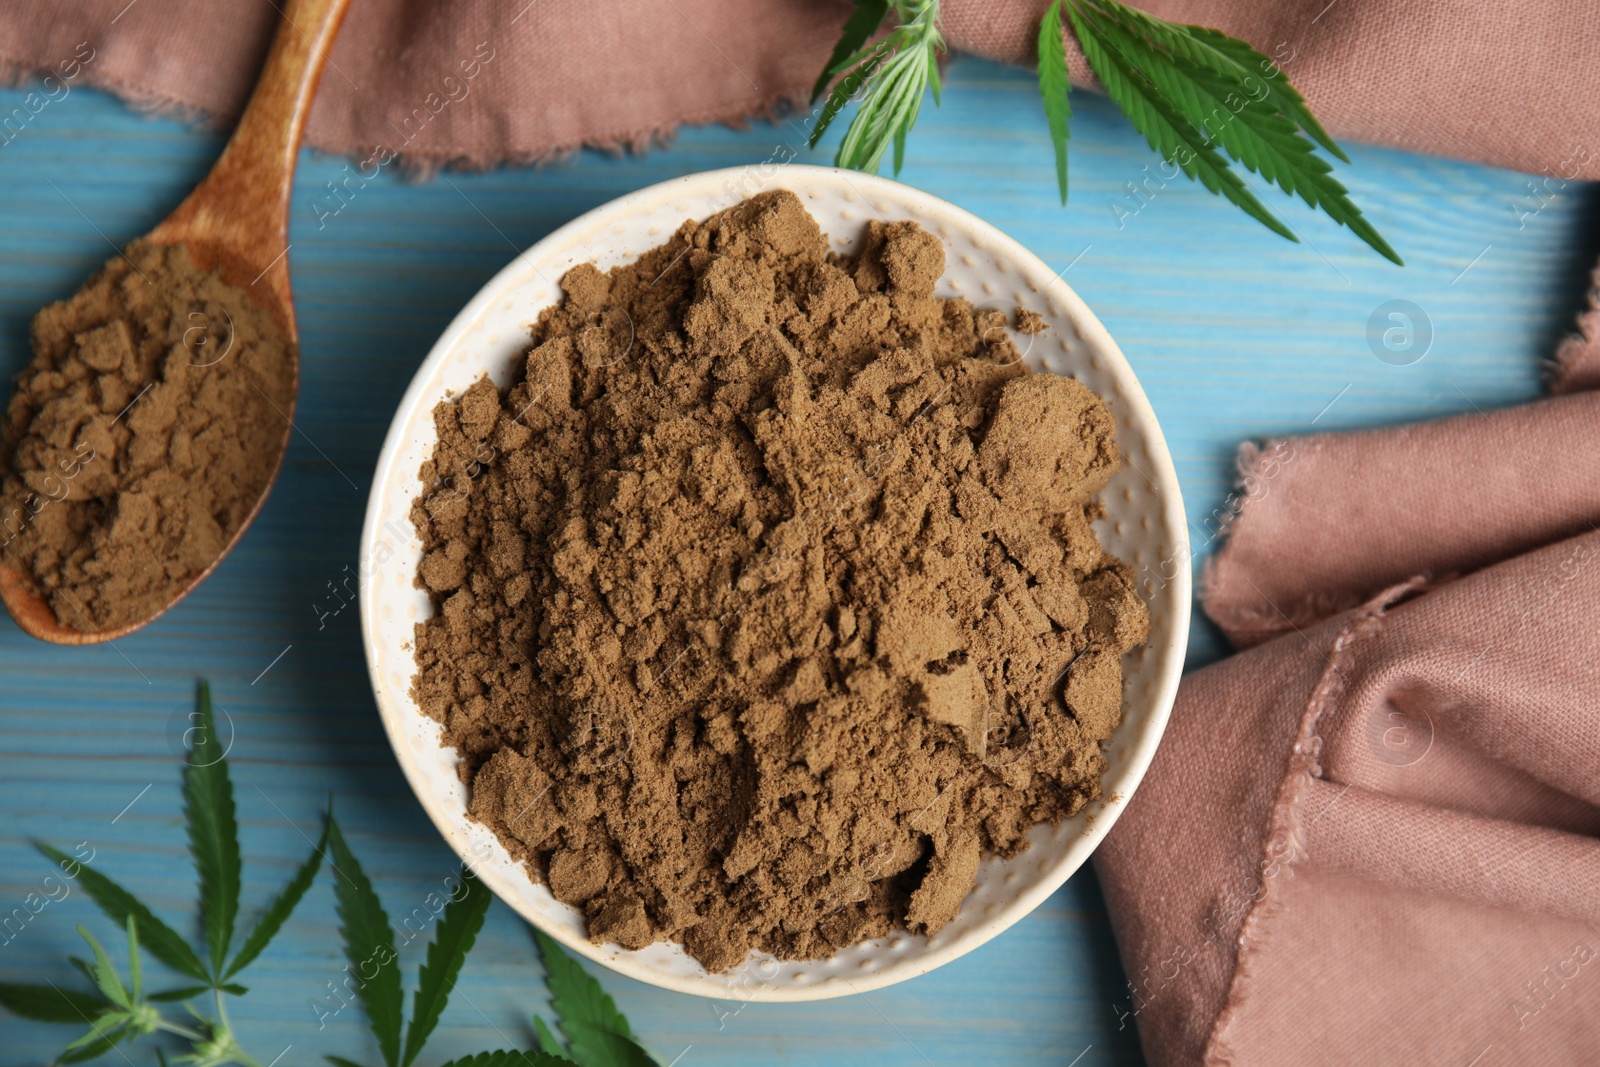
1137, 755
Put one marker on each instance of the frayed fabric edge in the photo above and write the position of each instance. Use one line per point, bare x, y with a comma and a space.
1257, 464
15, 74
1284, 844
423, 164
1576, 365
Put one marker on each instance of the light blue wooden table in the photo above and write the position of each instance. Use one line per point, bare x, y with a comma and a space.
1234, 332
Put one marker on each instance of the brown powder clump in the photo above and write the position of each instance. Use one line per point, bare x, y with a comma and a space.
140, 436
1030, 322
767, 597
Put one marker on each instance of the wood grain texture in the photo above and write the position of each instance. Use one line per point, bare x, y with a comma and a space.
236, 220
1234, 332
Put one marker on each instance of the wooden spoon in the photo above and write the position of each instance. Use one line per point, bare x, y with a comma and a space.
236, 222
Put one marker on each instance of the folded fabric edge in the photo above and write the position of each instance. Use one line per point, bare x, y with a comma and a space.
1284, 843
1481, 841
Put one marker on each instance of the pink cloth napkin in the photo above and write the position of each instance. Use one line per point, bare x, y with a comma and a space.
1374, 835
1508, 82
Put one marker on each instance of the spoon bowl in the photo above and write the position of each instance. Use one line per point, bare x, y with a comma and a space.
236, 223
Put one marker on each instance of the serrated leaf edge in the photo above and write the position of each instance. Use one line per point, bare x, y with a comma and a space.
453, 937
117, 903
359, 907
213, 830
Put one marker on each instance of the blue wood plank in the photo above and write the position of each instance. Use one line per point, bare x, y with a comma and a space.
1234, 332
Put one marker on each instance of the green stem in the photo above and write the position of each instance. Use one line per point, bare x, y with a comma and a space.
224, 1027
181, 1031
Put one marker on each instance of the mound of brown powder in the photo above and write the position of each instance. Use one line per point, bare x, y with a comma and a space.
140, 436
767, 595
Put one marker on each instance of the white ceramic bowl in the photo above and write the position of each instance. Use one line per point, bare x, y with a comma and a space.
1144, 525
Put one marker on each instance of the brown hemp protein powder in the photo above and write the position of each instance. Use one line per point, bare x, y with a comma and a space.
140, 436
767, 594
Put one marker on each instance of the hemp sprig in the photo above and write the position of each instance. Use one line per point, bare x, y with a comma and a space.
895, 73
115, 1012
118, 1012
1196, 94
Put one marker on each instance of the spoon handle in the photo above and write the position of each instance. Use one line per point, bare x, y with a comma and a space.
241, 209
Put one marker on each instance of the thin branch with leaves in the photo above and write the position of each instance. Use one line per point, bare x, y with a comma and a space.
118, 1012
1198, 96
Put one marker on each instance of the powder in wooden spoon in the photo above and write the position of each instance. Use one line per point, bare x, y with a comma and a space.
140, 436
768, 599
